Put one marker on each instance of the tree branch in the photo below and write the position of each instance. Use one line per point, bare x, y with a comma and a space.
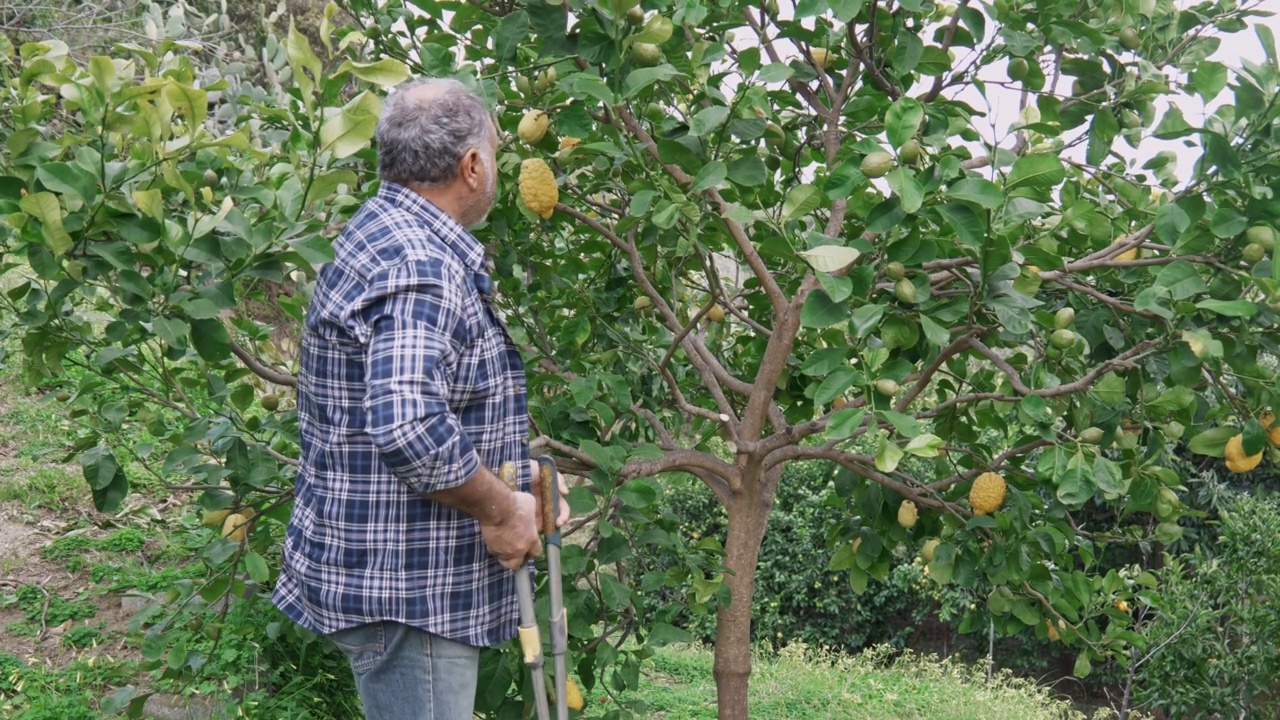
261, 370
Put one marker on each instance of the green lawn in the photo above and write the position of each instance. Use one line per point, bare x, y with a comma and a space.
800, 684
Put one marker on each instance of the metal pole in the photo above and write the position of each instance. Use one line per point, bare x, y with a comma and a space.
559, 622
530, 638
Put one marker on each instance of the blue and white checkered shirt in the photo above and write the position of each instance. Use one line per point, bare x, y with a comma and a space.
408, 383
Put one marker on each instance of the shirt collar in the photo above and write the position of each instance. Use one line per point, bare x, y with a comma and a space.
457, 238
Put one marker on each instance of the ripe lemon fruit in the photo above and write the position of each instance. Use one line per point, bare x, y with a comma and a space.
572, 695
930, 547
533, 126
907, 514
821, 57
987, 494
1237, 461
233, 527
1273, 433
214, 518
716, 313
538, 187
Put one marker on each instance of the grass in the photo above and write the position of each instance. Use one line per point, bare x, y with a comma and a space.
799, 683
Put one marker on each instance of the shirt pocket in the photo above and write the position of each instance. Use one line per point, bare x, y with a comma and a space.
481, 372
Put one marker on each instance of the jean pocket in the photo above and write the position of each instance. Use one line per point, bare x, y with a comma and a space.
364, 645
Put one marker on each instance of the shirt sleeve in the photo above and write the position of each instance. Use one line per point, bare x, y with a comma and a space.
415, 331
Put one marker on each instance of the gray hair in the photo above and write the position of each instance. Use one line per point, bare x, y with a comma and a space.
421, 141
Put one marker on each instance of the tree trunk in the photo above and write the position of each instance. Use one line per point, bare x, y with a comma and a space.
748, 515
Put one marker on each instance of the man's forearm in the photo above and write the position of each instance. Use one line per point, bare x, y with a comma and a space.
483, 496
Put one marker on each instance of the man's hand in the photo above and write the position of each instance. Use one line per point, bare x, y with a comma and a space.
513, 538
562, 516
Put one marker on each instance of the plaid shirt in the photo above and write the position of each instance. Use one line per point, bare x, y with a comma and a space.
408, 383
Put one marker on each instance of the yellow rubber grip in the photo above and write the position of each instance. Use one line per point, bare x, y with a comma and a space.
530, 643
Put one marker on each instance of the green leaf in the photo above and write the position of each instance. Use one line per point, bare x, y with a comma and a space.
904, 184
150, 203
349, 131
976, 190
866, 319
107, 480
210, 339
257, 567
934, 62
829, 258
775, 73
1212, 442
616, 595
510, 32
640, 79
903, 119
638, 494
970, 228
389, 72
1110, 390
191, 103
1075, 484
1171, 222
845, 10
823, 361
301, 58
1108, 477
834, 385
1227, 223
800, 201
937, 335
820, 311
711, 175
69, 179
844, 422
1083, 667
44, 207
707, 120
1208, 79
925, 445
888, 455
1181, 279
1040, 171
663, 634
748, 171
1229, 308
1102, 132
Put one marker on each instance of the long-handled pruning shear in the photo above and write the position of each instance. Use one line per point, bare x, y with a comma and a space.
546, 487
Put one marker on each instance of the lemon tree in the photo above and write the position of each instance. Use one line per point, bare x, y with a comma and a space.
997, 328
788, 234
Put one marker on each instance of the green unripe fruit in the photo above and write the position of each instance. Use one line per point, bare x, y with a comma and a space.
1091, 435
63, 396
1062, 339
1129, 39
774, 136
545, 80
1063, 318
1166, 504
877, 164
1253, 252
887, 387
909, 153
1173, 430
270, 403
1018, 69
635, 15
1130, 120
905, 291
646, 54
895, 270
641, 303
1262, 235
523, 85
210, 177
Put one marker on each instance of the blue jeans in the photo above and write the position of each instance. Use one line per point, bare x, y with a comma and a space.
404, 673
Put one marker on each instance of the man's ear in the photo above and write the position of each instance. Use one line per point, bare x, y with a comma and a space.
471, 169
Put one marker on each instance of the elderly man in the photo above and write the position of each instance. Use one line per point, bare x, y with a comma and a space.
402, 542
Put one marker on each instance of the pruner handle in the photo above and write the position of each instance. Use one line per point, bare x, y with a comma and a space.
547, 486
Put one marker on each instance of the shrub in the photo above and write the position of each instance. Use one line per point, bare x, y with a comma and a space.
1216, 622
